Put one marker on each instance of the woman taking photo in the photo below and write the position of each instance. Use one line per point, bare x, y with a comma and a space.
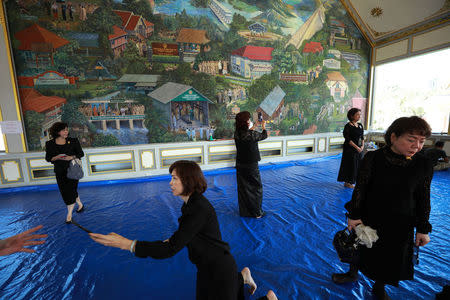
60, 150
353, 147
249, 184
392, 196
198, 230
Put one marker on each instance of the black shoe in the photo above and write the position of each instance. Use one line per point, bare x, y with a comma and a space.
81, 209
341, 278
68, 222
380, 295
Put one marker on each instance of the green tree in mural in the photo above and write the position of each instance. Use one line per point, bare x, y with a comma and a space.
138, 7
103, 140
102, 21
200, 3
205, 84
67, 61
33, 127
71, 115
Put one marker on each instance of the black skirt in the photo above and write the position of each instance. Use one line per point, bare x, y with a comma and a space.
67, 188
349, 165
390, 259
249, 190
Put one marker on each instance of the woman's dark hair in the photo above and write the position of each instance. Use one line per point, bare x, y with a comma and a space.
352, 112
56, 128
411, 125
191, 176
242, 120
439, 144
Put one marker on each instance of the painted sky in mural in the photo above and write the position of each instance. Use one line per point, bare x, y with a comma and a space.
150, 71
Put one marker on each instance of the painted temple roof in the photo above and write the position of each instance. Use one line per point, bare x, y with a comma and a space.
35, 34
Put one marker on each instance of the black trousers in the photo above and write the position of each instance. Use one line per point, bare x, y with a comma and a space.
250, 190
220, 280
67, 188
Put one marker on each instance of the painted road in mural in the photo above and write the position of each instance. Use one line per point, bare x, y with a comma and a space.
135, 72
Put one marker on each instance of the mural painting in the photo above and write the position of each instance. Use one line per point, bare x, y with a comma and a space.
152, 71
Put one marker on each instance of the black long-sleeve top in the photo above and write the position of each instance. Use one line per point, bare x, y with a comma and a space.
354, 134
198, 229
246, 141
71, 147
391, 187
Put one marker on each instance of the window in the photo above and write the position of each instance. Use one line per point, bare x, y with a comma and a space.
418, 85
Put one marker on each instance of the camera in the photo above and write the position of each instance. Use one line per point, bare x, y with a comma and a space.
260, 117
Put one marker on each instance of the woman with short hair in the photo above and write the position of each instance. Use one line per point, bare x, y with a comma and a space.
198, 230
249, 186
392, 196
60, 150
353, 148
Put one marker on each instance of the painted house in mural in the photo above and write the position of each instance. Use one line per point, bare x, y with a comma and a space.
138, 29
353, 59
337, 85
88, 43
257, 28
135, 25
182, 105
38, 46
190, 42
221, 12
251, 61
118, 40
272, 105
138, 83
50, 106
48, 79
332, 63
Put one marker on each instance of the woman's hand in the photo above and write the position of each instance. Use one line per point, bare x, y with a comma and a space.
359, 149
112, 240
351, 224
422, 239
263, 124
18, 242
69, 157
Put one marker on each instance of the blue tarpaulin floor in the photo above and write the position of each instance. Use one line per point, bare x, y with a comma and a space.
289, 251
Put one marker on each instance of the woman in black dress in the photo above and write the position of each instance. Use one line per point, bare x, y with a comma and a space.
353, 147
249, 184
60, 150
392, 195
198, 230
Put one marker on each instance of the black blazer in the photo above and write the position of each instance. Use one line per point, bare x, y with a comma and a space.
198, 230
247, 145
71, 147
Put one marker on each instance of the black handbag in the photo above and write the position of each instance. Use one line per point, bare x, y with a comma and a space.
346, 244
75, 171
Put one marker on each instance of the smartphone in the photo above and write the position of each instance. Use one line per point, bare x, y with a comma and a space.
260, 117
81, 227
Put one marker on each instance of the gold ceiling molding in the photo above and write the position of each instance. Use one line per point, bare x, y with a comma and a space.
375, 38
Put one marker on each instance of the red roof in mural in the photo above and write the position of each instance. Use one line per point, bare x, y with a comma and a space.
33, 100
313, 47
35, 34
124, 15
132, 23
254, 52
148, 24
118, 32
